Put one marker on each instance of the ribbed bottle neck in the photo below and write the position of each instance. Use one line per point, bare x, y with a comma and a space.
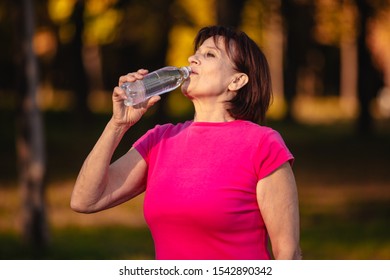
186, 70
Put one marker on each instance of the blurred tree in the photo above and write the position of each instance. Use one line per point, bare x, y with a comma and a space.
157, 58
229, 12
6, 51
68, 65
347, 25
140, 40
106, 39
348, 56
298, 21
262, 21
30, 134
335, 29
81, 86
188, 16
369, 78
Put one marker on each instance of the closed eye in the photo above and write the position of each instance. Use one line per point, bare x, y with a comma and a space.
210, 54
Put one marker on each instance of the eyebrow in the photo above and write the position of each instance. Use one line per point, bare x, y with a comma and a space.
209, 47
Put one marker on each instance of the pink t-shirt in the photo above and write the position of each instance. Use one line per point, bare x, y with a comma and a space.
200, 200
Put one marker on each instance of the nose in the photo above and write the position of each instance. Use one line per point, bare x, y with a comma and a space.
193, 59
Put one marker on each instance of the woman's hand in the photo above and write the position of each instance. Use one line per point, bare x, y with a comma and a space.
126, 116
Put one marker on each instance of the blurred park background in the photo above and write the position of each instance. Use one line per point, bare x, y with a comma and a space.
60, 60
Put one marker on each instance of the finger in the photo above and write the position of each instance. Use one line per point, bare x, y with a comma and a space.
118, 94
143, 71
153, 100
133, 76
148, 103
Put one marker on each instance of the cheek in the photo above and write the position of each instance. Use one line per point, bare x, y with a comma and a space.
200, 85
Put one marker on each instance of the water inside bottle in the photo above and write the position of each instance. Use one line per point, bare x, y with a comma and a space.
158, 83
155, 83
135, 93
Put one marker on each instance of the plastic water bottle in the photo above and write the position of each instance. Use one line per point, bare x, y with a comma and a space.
155, 83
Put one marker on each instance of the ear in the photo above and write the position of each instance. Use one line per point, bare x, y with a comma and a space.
239, 80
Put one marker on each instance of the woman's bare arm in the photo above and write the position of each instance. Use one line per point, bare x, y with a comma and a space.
100, 184
278, 201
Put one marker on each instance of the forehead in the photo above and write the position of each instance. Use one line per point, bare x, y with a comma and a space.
213, 43
220, 43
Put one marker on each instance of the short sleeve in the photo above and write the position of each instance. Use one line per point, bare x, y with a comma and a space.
145, 143
271, 154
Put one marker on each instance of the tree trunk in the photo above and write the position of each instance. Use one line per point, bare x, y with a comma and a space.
80, 78
159, 58
348, 74
298, 21
229, 12
369, 80
30, 135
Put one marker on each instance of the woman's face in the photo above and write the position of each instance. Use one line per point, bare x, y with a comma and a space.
212, 72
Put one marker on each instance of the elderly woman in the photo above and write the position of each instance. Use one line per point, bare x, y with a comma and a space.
216, 187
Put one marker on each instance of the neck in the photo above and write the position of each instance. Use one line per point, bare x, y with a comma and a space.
211, 113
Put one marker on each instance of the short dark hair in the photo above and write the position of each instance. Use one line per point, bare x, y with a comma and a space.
252, 101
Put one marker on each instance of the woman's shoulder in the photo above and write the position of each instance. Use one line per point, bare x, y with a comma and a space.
160, 132
257, 128
168, 128
262, 134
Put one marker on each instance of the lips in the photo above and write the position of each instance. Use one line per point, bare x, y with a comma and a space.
193, 71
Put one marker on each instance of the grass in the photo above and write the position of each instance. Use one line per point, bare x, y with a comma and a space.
99, 242
118, 233
343, 182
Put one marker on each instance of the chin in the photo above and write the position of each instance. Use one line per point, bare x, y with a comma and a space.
186, 94
184, 89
